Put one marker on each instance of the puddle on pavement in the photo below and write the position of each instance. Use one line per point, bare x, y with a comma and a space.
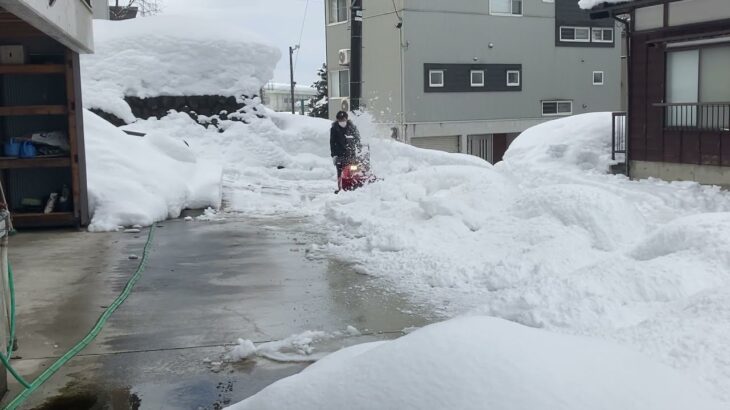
92, 398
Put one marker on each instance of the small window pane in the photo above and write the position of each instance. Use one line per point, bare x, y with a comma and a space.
477, 78
565, 107
549, 108
516, 6
334, 83
344, 83
567, 33
500, 6
436, 78
513, 78
582, 34
608, 35
598, 78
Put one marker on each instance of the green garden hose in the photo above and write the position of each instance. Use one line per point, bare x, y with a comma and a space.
93, 333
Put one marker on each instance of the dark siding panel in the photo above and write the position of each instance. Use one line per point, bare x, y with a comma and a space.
672, 147
637, 116
655, 94
690, 148
457, 77
499, 144
725, 149
709, 148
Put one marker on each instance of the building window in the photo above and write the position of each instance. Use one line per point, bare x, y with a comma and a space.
435, 78
339, 83
698, 88
554, 108
575, 34
477, 78
603, 35
505, 7
337, 11
598, 78
513, 78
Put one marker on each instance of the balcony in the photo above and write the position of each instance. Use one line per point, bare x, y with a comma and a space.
697, 117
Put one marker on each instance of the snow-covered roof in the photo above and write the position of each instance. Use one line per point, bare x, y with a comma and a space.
173, 55
589, 4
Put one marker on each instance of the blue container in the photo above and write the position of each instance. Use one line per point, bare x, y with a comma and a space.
12, 148
28, 150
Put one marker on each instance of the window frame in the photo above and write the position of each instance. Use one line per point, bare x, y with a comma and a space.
519, 78
557, 108
512, 5
336, 85
575, 31
471, 78
602, 30
431, 84
603, 77
337, 21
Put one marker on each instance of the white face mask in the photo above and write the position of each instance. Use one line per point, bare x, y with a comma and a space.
343, 124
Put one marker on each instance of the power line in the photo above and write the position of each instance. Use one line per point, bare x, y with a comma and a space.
301, 33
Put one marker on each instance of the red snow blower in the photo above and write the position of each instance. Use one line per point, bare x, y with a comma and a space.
356, 172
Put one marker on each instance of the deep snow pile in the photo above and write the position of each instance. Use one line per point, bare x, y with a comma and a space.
133, 180
172, 55
484, 363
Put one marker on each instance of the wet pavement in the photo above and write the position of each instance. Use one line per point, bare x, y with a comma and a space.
206, 285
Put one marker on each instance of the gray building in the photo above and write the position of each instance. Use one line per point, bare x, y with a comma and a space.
468, 76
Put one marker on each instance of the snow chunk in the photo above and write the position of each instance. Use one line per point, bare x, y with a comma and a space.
481, 362
139, 181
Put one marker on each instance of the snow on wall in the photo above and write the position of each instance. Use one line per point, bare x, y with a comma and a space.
484, 363
133, 180
166, 55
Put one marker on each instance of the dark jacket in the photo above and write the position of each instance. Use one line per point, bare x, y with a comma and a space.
344, 142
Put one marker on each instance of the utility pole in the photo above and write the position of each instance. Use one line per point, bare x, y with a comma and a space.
291, 74
356, 55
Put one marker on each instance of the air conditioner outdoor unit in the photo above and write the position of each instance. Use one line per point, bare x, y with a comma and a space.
345, 105
344, 56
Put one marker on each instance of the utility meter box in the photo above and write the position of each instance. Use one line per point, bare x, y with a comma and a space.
12, 55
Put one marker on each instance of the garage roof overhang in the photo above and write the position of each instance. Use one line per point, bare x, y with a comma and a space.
69, 22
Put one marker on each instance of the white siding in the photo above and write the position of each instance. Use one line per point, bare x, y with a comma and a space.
698, 11
648, 18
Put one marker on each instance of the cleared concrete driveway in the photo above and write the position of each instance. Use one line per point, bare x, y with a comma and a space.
206, 285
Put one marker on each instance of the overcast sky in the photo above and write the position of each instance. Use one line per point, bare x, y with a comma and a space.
277, 20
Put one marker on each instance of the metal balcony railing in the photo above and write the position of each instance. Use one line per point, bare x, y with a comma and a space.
706, 117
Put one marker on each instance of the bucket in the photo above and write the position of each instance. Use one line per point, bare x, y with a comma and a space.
12, 148
28, 150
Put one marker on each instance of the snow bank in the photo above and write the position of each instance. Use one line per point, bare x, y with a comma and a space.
172, 55
478, 363
133, 180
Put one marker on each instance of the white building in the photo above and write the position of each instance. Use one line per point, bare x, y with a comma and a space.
277, 96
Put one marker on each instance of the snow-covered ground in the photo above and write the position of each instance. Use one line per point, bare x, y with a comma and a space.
546, 238
484, 363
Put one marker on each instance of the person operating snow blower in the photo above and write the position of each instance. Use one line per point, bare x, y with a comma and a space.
345, 147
